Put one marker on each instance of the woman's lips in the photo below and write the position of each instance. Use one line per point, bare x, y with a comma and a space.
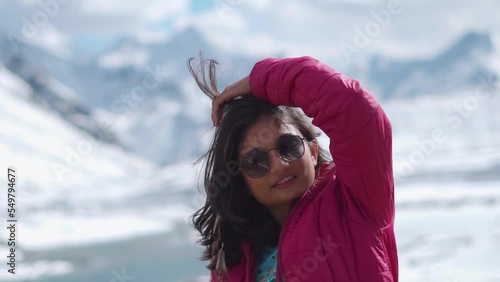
285, 182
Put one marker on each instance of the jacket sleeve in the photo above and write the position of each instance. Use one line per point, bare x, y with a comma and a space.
359, 131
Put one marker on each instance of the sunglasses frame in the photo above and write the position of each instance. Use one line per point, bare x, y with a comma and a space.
302, 139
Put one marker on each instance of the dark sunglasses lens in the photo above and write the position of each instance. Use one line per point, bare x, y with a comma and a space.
291, 148
255, 164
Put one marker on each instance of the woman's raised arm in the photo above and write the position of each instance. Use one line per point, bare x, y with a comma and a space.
359, 131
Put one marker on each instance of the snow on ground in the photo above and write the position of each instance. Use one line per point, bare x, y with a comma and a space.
72, 189
449, 231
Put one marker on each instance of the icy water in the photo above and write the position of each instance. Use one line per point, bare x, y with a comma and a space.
144, 259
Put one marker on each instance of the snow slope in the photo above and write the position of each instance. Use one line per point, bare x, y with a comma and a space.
74, 189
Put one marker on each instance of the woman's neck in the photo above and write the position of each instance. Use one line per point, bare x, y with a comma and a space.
280, 214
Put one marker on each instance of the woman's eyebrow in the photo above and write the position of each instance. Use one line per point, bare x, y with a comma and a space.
246, 151
243, 153
286, 135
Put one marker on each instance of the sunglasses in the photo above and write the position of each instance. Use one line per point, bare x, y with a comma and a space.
256, 162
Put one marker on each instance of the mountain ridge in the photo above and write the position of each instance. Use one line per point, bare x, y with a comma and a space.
153, 101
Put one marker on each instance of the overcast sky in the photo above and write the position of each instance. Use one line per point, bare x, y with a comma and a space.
326, 29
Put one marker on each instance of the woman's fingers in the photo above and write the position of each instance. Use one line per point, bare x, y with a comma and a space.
217, 107
230, 92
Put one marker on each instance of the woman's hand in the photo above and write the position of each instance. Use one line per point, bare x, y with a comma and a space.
232, 91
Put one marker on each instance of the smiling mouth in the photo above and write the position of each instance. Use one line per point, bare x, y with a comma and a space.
285, 180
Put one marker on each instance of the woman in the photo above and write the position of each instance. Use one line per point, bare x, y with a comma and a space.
277, 209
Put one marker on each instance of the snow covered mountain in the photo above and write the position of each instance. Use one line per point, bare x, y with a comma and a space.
137, 95
52, 80
140, 95
461, 66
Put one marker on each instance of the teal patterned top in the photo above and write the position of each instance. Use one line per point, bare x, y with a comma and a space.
266, 268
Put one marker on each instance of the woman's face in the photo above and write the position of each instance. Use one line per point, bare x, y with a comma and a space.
296, 177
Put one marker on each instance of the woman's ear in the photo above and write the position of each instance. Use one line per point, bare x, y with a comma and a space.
314, 148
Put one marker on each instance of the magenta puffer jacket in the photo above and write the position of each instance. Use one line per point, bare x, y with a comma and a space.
342, 228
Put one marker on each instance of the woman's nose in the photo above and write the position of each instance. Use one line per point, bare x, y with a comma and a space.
276, 163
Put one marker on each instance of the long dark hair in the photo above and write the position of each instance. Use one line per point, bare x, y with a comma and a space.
231, 216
